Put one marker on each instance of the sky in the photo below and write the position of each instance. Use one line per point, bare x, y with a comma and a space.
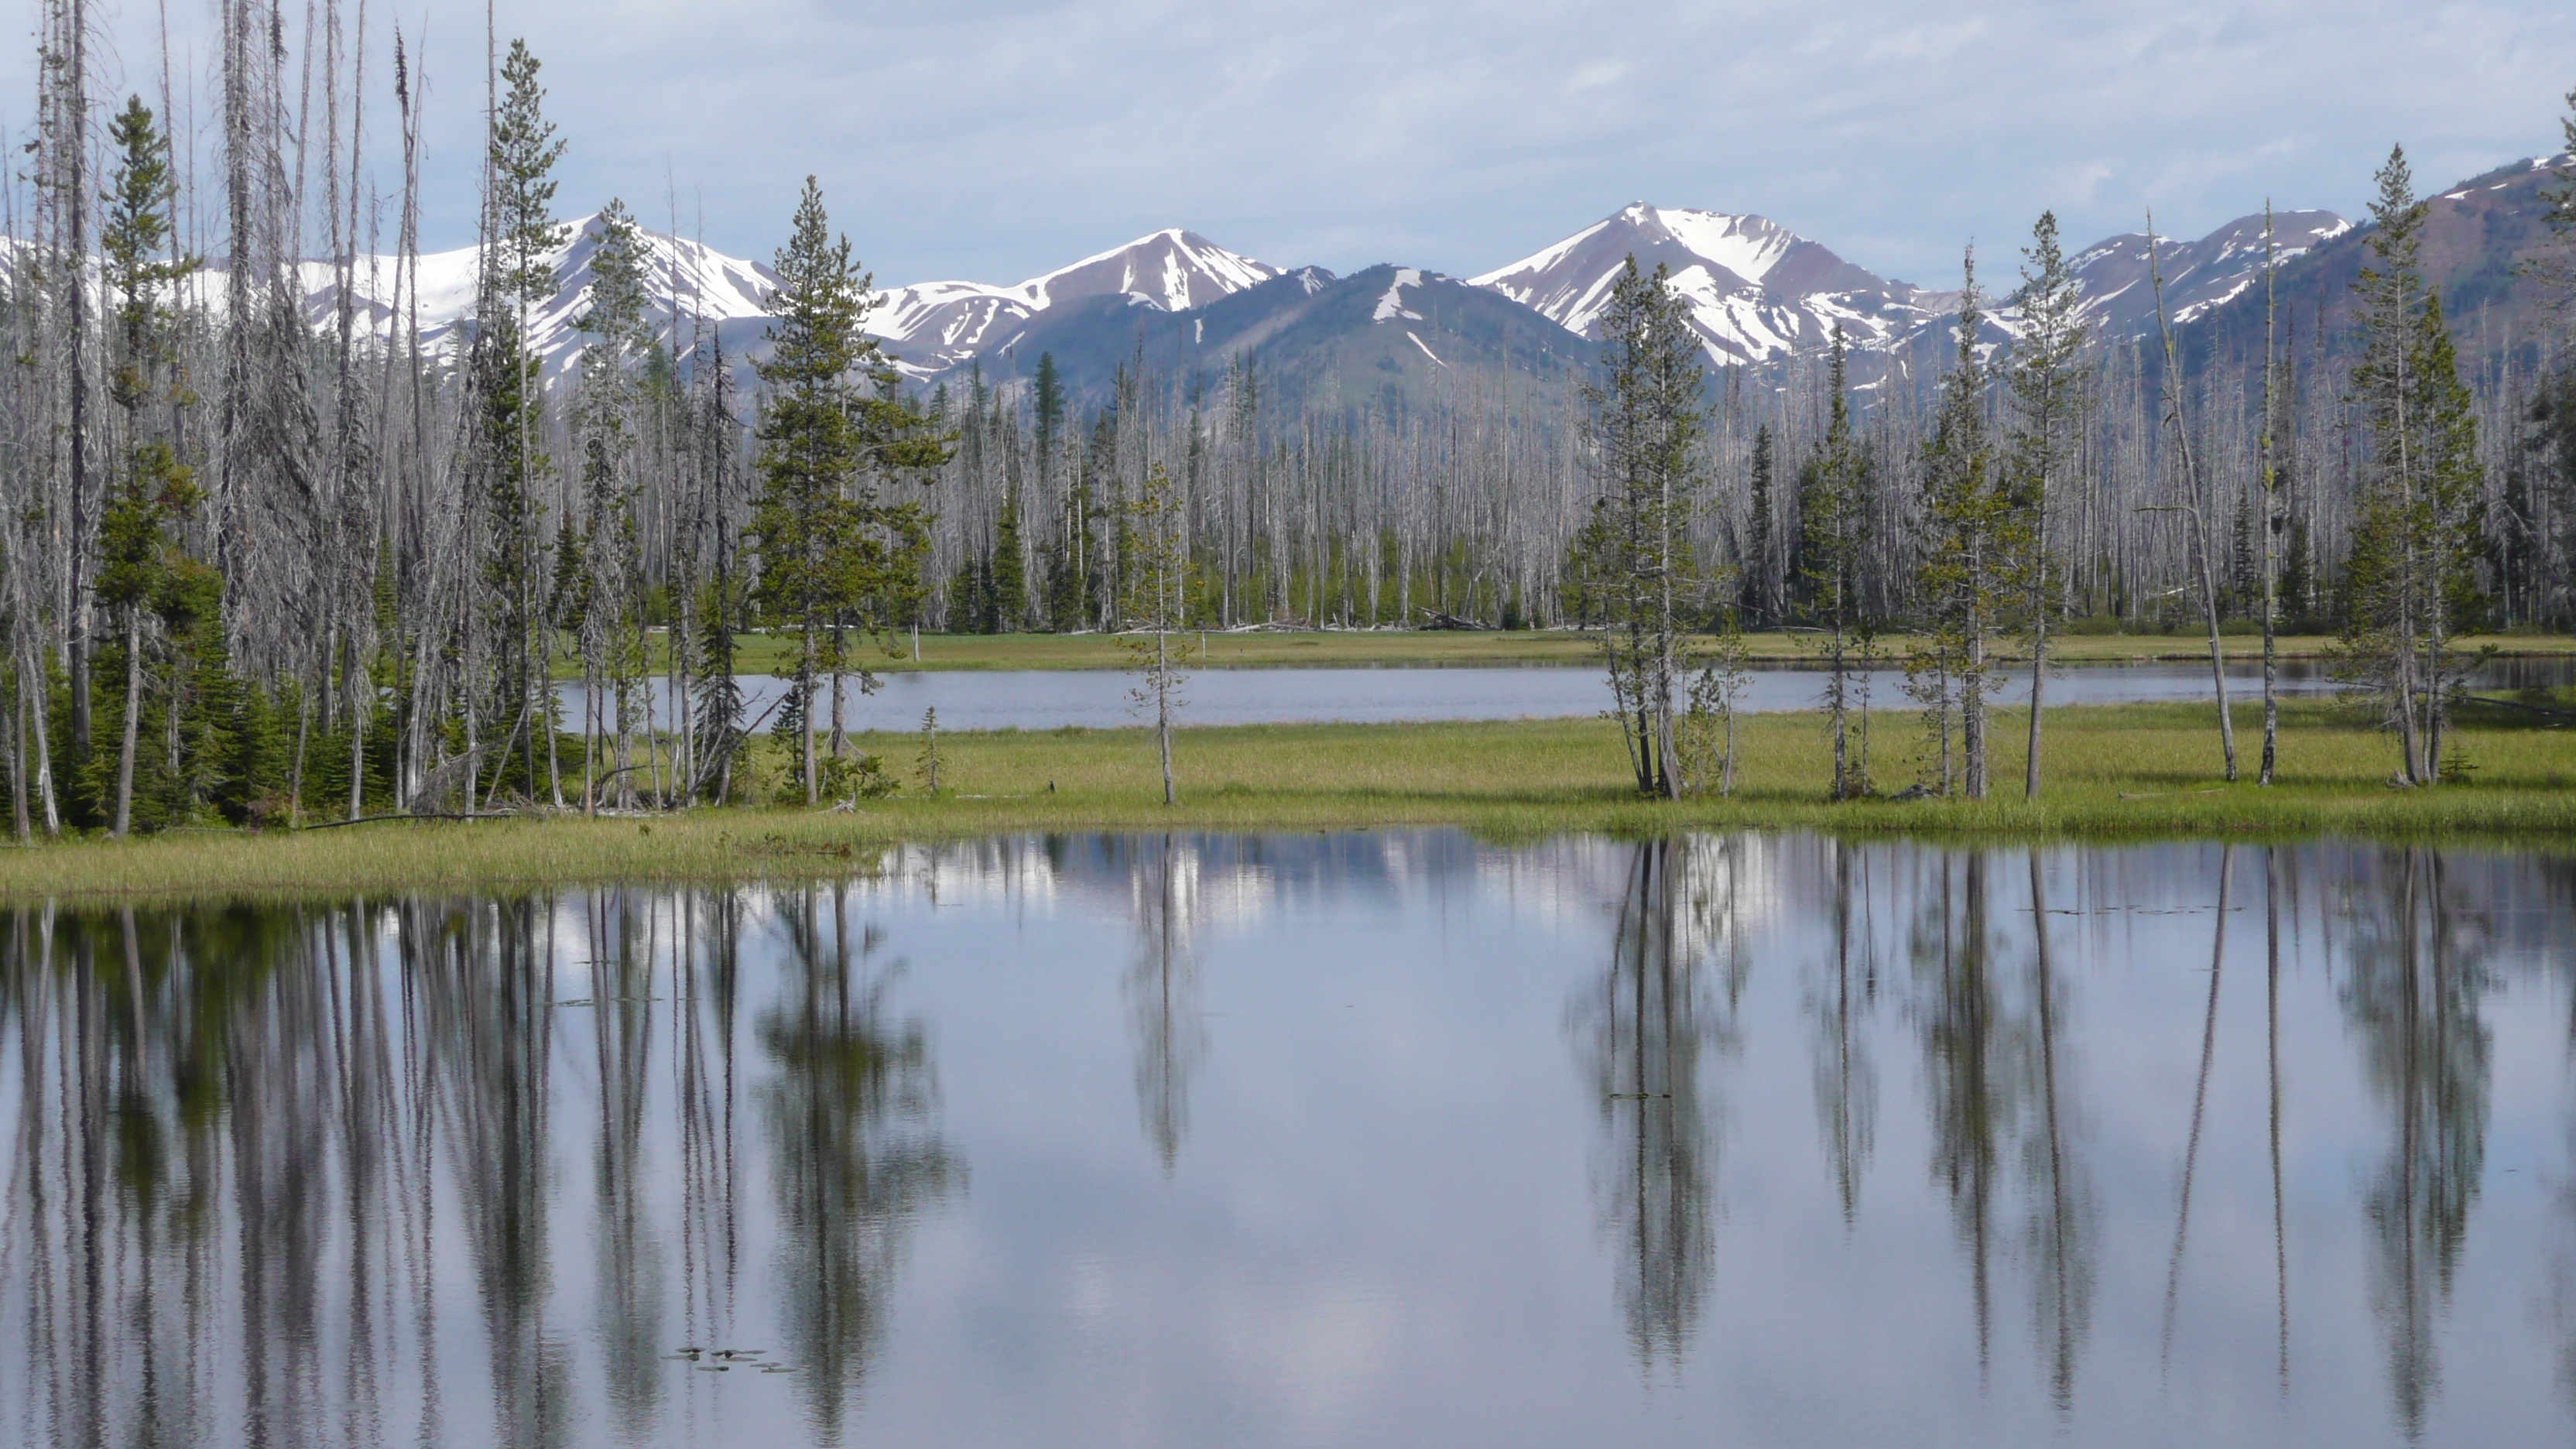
991, 140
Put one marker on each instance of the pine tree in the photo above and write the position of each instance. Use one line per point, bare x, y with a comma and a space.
834, 552
2409, 579
1970, 523
153, 488
1761, 577
519, 274
1834, 504
609, 622
2046, 381
1645, 425
1008, 577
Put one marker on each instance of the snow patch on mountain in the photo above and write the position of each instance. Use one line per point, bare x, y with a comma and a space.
1391, 306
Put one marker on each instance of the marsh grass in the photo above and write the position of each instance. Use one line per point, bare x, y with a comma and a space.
2125, 771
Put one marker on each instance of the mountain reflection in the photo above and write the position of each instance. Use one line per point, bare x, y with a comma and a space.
1664, 1003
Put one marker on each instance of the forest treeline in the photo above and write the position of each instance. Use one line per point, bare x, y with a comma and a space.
273, 550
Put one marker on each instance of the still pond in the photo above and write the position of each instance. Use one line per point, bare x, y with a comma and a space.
1372, 1139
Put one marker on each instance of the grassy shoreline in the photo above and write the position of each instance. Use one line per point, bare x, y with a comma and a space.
2118, 772
1414, 648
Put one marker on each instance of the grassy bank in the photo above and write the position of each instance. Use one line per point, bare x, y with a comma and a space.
2115, 772
1271, 649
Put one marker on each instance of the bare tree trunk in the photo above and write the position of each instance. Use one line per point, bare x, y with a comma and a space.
133, 721
2270, 474
1163, 709
2194, 510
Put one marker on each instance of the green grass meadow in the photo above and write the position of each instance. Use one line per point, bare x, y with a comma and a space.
2114, 773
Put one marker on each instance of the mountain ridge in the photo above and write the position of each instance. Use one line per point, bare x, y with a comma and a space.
1759, 294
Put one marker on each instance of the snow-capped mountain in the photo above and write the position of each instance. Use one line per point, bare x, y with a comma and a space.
2119, 294
1758, 294
686, 283
1757, 291
927, 327
1313, 339
933, 326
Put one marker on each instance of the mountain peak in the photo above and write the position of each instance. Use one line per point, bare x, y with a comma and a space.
1756, 289
932, 326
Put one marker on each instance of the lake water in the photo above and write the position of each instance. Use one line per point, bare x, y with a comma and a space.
1376, 1139
1103, 699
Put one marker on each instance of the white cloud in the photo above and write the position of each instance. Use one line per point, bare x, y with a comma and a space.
994, 140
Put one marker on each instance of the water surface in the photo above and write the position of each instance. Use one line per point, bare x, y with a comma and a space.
1034, 699
1357, 1139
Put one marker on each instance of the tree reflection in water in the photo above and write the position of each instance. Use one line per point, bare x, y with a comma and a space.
853, 1150
1839, 1002
2414, 991
1162, 987
1999, 1086
1666, 1001
467, 1171
245, 1138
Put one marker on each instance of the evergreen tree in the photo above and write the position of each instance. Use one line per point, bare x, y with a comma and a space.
2409, 579
1834, 503
1645, 424
1007, 577
609, 624
153, 489
1970, 524
834, 551
1761, 576
519, 274
2046, 381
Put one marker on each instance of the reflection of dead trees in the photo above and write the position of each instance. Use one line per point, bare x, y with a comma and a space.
619, 945
484, 985
1968, 1089
1838, 1005
241, 1137
2418, 977
2062, 1225
707, 982
1641, 1035
2199, 1095
854, 1151
1162, 994
2272, 1082
2000, 1094
177, 1073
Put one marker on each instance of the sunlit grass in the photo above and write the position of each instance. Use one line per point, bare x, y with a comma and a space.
2124, 771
